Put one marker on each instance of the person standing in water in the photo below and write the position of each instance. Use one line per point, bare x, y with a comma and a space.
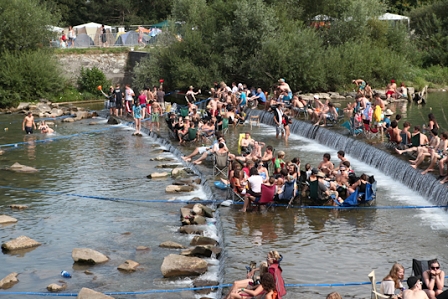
137, 115
28, 123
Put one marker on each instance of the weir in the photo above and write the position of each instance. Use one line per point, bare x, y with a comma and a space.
427, 185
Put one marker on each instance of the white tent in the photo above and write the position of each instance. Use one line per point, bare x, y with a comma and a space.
394, 17
91, 28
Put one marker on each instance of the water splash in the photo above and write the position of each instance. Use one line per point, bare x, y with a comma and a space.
427, 185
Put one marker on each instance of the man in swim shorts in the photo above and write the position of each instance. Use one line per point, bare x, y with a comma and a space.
28, 123
156, 111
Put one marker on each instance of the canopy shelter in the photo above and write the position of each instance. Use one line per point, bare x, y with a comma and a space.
93, 30
160, 25
395, 18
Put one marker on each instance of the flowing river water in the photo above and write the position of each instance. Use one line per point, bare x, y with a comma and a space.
319, 246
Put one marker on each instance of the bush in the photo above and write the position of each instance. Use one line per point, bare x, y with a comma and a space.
28, 76
90, 79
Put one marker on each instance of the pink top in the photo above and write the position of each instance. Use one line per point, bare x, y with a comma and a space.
142, 99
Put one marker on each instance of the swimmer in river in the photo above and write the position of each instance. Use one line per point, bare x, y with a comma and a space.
28, 123
44, 128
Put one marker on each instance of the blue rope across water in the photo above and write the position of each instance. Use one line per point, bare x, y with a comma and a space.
53, 138
215, 201
288, 285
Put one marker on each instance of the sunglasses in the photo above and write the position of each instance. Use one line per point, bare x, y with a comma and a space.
435, 268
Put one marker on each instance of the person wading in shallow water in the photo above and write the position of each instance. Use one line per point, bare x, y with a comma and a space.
28, 123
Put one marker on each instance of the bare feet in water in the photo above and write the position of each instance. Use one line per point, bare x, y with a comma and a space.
398, 151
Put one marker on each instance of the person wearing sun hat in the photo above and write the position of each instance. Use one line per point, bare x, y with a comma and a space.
415, 289
386, 121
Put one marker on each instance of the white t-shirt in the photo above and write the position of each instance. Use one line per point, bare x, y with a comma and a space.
255, 182
388, 287
129, 93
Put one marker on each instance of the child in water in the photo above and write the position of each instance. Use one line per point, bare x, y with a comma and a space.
44, 128
137, 115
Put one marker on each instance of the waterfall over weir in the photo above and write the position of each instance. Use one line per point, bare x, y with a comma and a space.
427, 185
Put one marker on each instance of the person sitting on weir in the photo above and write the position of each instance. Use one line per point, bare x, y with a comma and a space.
433, 279
392, 282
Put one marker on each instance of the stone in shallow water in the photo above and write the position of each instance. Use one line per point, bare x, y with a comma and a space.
9, 281
21, 242
18, 207
157, 175
88, 256
177, 265
171, 244
7, 219
54, 287
86, 293
129, 266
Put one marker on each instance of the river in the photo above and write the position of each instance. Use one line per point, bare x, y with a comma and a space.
319, 246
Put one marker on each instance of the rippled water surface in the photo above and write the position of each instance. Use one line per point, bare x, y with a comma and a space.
319, 246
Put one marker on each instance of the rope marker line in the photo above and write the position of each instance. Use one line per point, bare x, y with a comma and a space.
215, 201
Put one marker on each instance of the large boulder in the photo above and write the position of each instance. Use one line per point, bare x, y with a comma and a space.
86, 293
177, 188
177, 265
17, 167
21, 242
56, 112
23, 106
129, 266
88, 256
9, 281
43, 107
4, 219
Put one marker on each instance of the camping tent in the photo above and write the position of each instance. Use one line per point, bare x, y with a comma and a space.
130, 38
83, 41
93, 31
395, 18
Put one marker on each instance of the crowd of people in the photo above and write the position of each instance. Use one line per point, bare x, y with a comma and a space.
427, 286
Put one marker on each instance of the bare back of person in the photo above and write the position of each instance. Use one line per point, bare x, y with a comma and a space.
414, 294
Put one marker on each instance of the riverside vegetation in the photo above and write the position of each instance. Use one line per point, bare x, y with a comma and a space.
276, 41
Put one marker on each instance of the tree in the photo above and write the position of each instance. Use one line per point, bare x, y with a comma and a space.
24, 25
28, 69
